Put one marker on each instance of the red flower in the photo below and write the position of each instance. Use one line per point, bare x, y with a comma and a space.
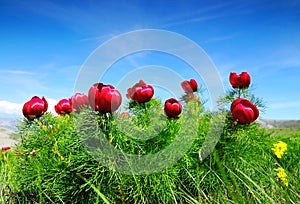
244, 111
79, 100
35, 108
140, 92
5, 148
104, 98
189, 86
239, 80
172, 108
125, 115
64, 106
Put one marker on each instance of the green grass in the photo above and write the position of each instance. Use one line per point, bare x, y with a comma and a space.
239, 170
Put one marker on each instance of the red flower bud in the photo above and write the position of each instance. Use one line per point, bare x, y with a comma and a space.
189, 86
244, 111
33, 153
104, 98
239, 80
63, 106
140, 92
172, 108
79, 100
125, 115
35, 108
5, 148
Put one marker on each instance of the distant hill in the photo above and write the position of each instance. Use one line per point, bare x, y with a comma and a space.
7, 130
8, 123
268, 123
5, 137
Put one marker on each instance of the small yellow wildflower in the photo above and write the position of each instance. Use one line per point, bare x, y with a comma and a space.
282, 175
42, 126
279, 149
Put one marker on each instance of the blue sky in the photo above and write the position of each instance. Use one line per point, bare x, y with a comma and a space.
44, 43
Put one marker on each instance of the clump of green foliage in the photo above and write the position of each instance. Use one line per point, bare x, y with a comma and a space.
53, 163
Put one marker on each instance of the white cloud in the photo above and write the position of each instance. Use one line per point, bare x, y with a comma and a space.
15, 109
12, 108
51, 104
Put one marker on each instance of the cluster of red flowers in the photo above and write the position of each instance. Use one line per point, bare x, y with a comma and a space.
106, 99
242, 109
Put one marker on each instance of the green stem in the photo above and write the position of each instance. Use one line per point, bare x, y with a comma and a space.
96, 190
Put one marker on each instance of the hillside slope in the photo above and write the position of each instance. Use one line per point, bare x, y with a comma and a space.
5, 139
289, 124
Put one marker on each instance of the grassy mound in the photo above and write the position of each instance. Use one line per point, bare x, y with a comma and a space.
52, 164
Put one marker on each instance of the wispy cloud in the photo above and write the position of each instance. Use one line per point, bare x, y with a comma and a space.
190, 20
209, 12
295, 104
18, 86
201, 14
47, 66
84, 18
17, 72
49, 8
100, 38
219, 38
280, 57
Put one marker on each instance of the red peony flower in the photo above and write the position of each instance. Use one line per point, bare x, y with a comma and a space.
244, 111
5, 148
189, 86
239, 80
35, 107
64, 106
172, 108
79, 100
140, 92
104, 98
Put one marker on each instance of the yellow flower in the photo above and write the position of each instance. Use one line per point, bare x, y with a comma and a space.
42, 126
282, 175
279, 149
